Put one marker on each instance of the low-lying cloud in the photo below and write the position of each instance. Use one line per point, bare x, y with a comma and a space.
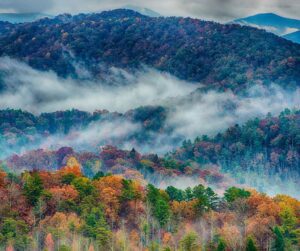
212, 112
189, 115
190, 112
38, 92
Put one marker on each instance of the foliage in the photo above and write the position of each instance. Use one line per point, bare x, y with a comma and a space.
233, 193
218, 55
111, 212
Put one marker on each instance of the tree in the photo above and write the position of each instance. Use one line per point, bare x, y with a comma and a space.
175, 194
49, 243
221, 245
250, 245
279, 243
159, 205
162, 211
83, 185
33, 188
16, 232
206, 198
190, 242
233, 193
96, 227
289, 227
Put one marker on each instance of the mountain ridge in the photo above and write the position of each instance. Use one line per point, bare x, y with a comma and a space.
190, 49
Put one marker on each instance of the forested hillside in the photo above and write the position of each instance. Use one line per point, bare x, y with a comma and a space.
64, 210
261, 146
225, 56
19, 129
255, 153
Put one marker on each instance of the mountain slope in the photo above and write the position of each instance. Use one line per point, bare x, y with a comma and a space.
226, 56
255, 154
295, 37
271, 22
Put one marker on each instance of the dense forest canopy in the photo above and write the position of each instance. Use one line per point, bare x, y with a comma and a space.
64, 210
224, 56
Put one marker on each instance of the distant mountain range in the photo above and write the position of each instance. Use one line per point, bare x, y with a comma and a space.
295, 37
22, 17
281, 26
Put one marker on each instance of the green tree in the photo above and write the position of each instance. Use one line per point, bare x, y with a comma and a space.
33, 188
279, 243
289, 227
221, 245
233, 193
189, 242
250, 245
15, 232
68, 178
128, 191
206, 198
162, 211
96, 227
175, 194
83, 185
159, 205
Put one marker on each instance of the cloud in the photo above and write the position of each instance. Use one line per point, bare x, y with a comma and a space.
189, 115
209, 113
27, 6
220, 10
97, 133
38, 92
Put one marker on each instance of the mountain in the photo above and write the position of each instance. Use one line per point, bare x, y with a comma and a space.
254, 153
140, 127
22, 17
223, 56
295, 37
143, 11
271, 22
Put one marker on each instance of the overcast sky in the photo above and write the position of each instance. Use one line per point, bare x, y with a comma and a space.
221, 10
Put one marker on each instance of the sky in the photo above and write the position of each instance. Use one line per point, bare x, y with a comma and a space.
219, 10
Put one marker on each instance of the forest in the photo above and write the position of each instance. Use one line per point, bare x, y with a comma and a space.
65, 210
267, 149
221, 56
124, 132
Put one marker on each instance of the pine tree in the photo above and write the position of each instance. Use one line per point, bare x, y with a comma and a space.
221, 245
250, 246
279, 243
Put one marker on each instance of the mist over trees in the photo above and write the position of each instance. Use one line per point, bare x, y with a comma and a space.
124, 132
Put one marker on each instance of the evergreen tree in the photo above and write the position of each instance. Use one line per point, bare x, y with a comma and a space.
221, 245
279, 244
33, 188
250, 246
